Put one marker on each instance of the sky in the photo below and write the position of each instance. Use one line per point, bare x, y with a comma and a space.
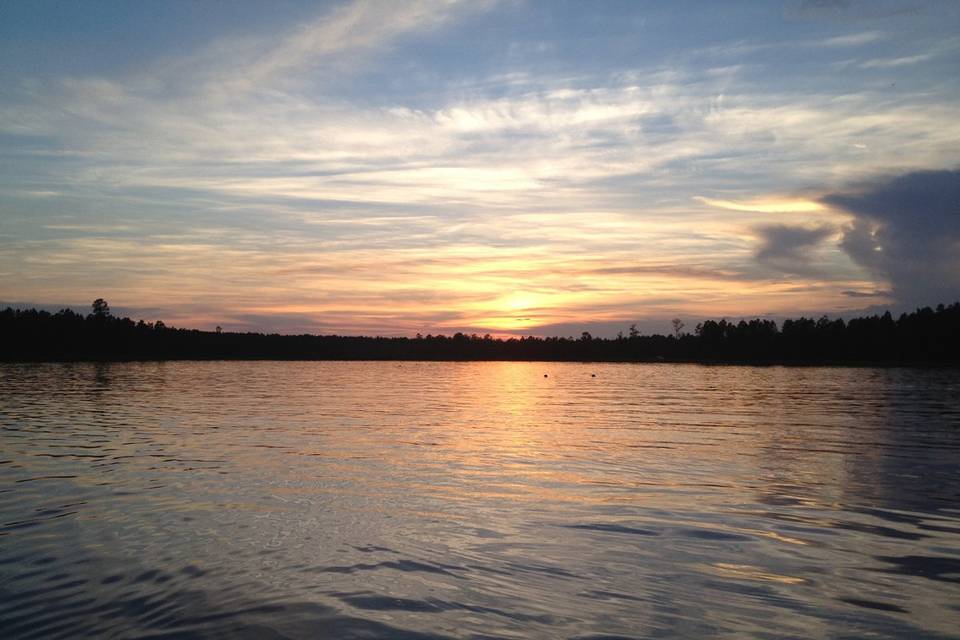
504, 167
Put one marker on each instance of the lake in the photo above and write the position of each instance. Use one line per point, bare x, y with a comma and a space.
478, 500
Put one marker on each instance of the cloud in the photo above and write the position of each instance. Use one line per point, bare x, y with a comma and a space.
781, 205
852, 40
906, 231
850, 10
788, 249
889, 63
279, 167
336, 39
879, 293
675, 271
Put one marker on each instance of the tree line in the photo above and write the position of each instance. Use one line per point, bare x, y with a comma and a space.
925, 336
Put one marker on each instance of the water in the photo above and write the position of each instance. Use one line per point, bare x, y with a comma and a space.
477, 500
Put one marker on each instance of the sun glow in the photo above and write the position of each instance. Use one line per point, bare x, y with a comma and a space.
519, 301
274, 182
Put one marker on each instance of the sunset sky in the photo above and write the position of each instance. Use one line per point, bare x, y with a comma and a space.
481, 166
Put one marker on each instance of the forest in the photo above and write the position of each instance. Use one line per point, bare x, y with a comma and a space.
924, 336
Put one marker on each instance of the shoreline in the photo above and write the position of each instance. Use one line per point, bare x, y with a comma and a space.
851, 364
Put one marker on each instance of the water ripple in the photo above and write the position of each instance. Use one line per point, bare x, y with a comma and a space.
477, 500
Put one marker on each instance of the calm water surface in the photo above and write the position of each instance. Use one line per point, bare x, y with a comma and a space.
477, 500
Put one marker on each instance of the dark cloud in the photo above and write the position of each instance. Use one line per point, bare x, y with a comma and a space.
879, 293
787, 248
906, 231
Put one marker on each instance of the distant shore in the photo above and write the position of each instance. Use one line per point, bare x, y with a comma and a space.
924, 337
872, 364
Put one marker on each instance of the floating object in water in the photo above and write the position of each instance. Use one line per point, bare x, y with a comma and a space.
545, 376
593, 375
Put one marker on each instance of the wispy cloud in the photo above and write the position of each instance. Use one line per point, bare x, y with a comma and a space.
780, 205
353, 29
852, 39
852, 10
246, 175
890, 63
877, 293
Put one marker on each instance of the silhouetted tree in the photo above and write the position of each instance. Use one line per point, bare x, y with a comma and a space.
100, 308
677, 327
924, 336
